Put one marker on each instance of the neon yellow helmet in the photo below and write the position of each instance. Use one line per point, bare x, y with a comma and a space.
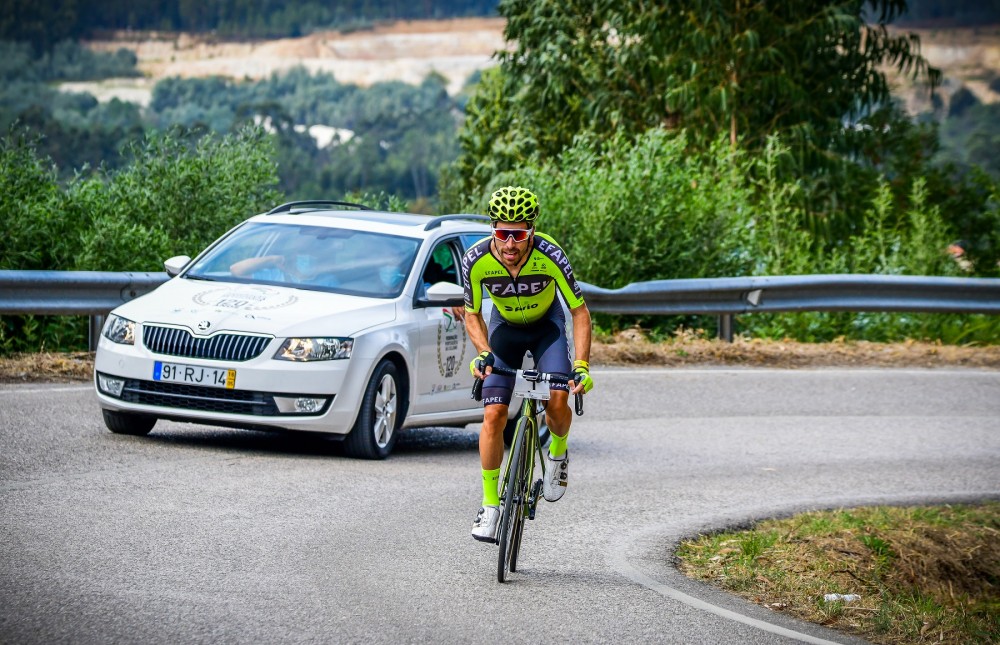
513, 204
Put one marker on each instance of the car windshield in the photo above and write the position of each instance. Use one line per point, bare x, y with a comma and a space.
318, 258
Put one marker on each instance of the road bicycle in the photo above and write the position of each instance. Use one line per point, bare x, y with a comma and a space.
519, 491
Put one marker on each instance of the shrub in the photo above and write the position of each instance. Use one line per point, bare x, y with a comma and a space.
175, 197
645, 209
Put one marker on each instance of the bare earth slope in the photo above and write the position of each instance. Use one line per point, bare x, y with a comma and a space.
404, 51
455, 48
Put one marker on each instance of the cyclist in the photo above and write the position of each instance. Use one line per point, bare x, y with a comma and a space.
522, 270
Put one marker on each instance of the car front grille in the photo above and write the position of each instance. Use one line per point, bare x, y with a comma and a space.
221, 347
197, 397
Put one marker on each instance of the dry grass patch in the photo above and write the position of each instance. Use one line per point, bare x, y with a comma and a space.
632, 347
923, 574
53, 367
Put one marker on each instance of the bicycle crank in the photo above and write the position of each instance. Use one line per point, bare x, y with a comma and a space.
533, 500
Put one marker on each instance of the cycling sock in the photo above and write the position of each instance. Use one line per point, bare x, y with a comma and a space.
490, 495
557, 448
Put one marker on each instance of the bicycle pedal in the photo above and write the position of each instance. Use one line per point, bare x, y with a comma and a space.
535, 489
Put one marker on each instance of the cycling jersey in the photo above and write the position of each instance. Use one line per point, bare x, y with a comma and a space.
523, 300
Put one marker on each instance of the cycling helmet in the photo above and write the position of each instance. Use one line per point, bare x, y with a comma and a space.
513, 204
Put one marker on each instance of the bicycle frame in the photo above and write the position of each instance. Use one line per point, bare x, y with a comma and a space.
520, 491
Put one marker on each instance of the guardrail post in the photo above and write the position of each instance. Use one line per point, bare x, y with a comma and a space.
726, 327
94, 331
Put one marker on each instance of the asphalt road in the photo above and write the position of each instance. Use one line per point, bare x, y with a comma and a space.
207, 535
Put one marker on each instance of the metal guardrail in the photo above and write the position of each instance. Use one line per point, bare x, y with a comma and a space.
95, 293
73, 293
82, 293
728, 297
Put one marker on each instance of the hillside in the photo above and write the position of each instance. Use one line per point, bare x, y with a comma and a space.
408, 51
967, 57
401, 51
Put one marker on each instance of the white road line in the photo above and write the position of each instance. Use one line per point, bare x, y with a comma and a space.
618, 558
75, 388
621, 564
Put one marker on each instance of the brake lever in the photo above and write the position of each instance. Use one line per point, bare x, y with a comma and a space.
477, 389
579, 404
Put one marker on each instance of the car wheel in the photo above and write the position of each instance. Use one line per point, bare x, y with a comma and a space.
508, 431
374, 433
126, 423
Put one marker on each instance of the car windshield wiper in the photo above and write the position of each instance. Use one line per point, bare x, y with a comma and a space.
199, 277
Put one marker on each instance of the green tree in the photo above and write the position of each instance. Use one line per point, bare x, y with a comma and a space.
745, 69
29, 190
176, 195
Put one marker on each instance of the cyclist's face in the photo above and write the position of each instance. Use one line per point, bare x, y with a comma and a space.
511, 251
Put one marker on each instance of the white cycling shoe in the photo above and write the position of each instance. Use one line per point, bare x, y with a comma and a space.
556, 477
484, 528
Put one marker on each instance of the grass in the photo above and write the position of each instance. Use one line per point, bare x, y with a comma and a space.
924, 574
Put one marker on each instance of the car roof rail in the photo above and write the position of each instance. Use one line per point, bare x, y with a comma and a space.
285, 208
437, 221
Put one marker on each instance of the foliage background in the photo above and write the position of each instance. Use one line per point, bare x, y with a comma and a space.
619, 115
636, 189
175, 196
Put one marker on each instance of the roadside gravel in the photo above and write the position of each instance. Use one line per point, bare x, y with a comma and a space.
632, 348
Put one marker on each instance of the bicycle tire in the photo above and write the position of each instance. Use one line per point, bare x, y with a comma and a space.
511, 515
511, 427
524, 487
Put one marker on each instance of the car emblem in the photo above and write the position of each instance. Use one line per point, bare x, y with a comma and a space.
203, 325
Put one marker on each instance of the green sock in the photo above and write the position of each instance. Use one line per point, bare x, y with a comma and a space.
490, 495
557, 448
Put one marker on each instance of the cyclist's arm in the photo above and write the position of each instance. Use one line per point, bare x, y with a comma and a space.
581, 336
476, 328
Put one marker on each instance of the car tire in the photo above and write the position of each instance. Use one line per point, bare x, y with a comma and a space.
127, 423
508, 431
375, 432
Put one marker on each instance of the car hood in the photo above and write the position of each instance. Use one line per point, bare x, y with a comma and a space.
210, 307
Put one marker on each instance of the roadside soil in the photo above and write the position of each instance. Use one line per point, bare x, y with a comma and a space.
631, 348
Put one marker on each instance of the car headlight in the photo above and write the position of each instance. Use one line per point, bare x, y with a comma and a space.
315, 349
119, 330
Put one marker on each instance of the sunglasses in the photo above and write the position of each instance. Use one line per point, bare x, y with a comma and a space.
516, 234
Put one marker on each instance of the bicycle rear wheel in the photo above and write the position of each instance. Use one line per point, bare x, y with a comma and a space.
514, 498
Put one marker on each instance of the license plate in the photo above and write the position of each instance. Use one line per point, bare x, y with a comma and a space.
209, 376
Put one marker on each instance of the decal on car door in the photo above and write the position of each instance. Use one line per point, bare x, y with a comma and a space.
450, 343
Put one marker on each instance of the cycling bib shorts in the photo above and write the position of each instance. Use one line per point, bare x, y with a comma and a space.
547, 342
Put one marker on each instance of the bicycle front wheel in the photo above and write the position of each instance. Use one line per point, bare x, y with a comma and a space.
514, 498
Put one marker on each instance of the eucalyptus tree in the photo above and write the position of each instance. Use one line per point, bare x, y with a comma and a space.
811, 71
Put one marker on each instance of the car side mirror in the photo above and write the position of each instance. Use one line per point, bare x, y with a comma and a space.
176, 264
445, 294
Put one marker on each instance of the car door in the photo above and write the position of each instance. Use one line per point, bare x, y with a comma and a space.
443, 382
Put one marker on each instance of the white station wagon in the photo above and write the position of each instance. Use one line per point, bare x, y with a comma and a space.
311, 317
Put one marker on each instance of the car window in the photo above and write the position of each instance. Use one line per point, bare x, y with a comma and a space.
442, 265
468, 241
318, 258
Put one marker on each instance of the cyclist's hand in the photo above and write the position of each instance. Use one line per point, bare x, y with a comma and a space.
581, 377
480, 365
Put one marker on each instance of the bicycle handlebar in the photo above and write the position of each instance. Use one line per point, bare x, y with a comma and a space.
532, 376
